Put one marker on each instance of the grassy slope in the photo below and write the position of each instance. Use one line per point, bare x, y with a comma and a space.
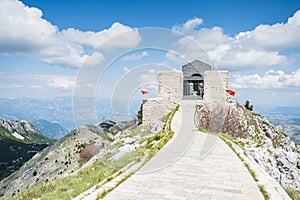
71, 186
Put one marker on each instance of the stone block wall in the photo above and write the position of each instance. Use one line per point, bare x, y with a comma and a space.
156, 109
170, 85
215, 84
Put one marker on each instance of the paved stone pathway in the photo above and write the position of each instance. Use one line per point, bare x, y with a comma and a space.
193, 165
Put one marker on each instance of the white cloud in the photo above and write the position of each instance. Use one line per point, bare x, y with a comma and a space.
126, 69
188, 26
274, 37
260, 47
94, 59
135, 56
149, 77
62, 82
271, 79
24, 32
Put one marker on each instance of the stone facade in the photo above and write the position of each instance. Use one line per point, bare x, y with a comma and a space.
172, 88
170, 85
170, 91
215, 86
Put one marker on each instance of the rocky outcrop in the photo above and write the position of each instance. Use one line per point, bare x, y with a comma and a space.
275, 152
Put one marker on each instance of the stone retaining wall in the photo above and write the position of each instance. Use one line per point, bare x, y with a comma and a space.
156, 109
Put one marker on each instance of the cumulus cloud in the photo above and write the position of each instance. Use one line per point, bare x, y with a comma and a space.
271, 79
94, 59
149, 77
188, 26
260, 47
24, 32
135, 56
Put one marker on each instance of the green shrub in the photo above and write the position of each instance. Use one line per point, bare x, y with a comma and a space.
248, 106
293, 193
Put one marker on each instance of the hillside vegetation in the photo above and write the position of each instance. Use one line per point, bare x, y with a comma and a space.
19, 141
84, 157
272, 149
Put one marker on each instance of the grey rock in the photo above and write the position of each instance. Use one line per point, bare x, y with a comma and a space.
251, 130
292, 157
122, 151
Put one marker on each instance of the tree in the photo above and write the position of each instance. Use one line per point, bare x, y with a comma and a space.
248, 106
140, 115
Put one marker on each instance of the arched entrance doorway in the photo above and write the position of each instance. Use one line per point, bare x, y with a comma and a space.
193, 85
193, 79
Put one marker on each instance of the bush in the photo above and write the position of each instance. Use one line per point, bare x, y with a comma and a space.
248, 106
88, 152
222, 119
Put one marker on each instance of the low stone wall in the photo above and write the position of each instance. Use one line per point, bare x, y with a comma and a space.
156, 109
215, 84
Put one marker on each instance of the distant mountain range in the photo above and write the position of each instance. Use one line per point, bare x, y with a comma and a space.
58, 111
286, 119
51, 130
19, 141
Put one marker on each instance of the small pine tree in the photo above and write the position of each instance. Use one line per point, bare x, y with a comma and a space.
140, 115
248, 106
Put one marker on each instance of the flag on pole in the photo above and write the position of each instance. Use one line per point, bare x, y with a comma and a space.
144, 92
231, 92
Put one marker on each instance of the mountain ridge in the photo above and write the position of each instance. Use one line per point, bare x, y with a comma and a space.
19, 141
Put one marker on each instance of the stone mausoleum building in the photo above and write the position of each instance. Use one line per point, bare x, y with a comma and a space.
196, 81
193, 78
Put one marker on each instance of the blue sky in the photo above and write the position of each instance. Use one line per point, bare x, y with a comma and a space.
43, 44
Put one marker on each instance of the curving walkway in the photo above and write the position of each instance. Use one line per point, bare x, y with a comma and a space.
193, 165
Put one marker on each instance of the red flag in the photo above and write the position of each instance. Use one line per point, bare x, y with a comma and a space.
144, 92
231, 92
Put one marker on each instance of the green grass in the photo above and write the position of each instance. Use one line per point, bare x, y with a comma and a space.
71, 186
293, 193
249, 169
68, 187
232, 139
138, 130
116, 145
106, 137
264, 192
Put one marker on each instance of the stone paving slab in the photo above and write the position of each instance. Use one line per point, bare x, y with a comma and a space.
189, 168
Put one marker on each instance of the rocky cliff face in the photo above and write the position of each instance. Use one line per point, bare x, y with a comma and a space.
261, 141
275, 152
